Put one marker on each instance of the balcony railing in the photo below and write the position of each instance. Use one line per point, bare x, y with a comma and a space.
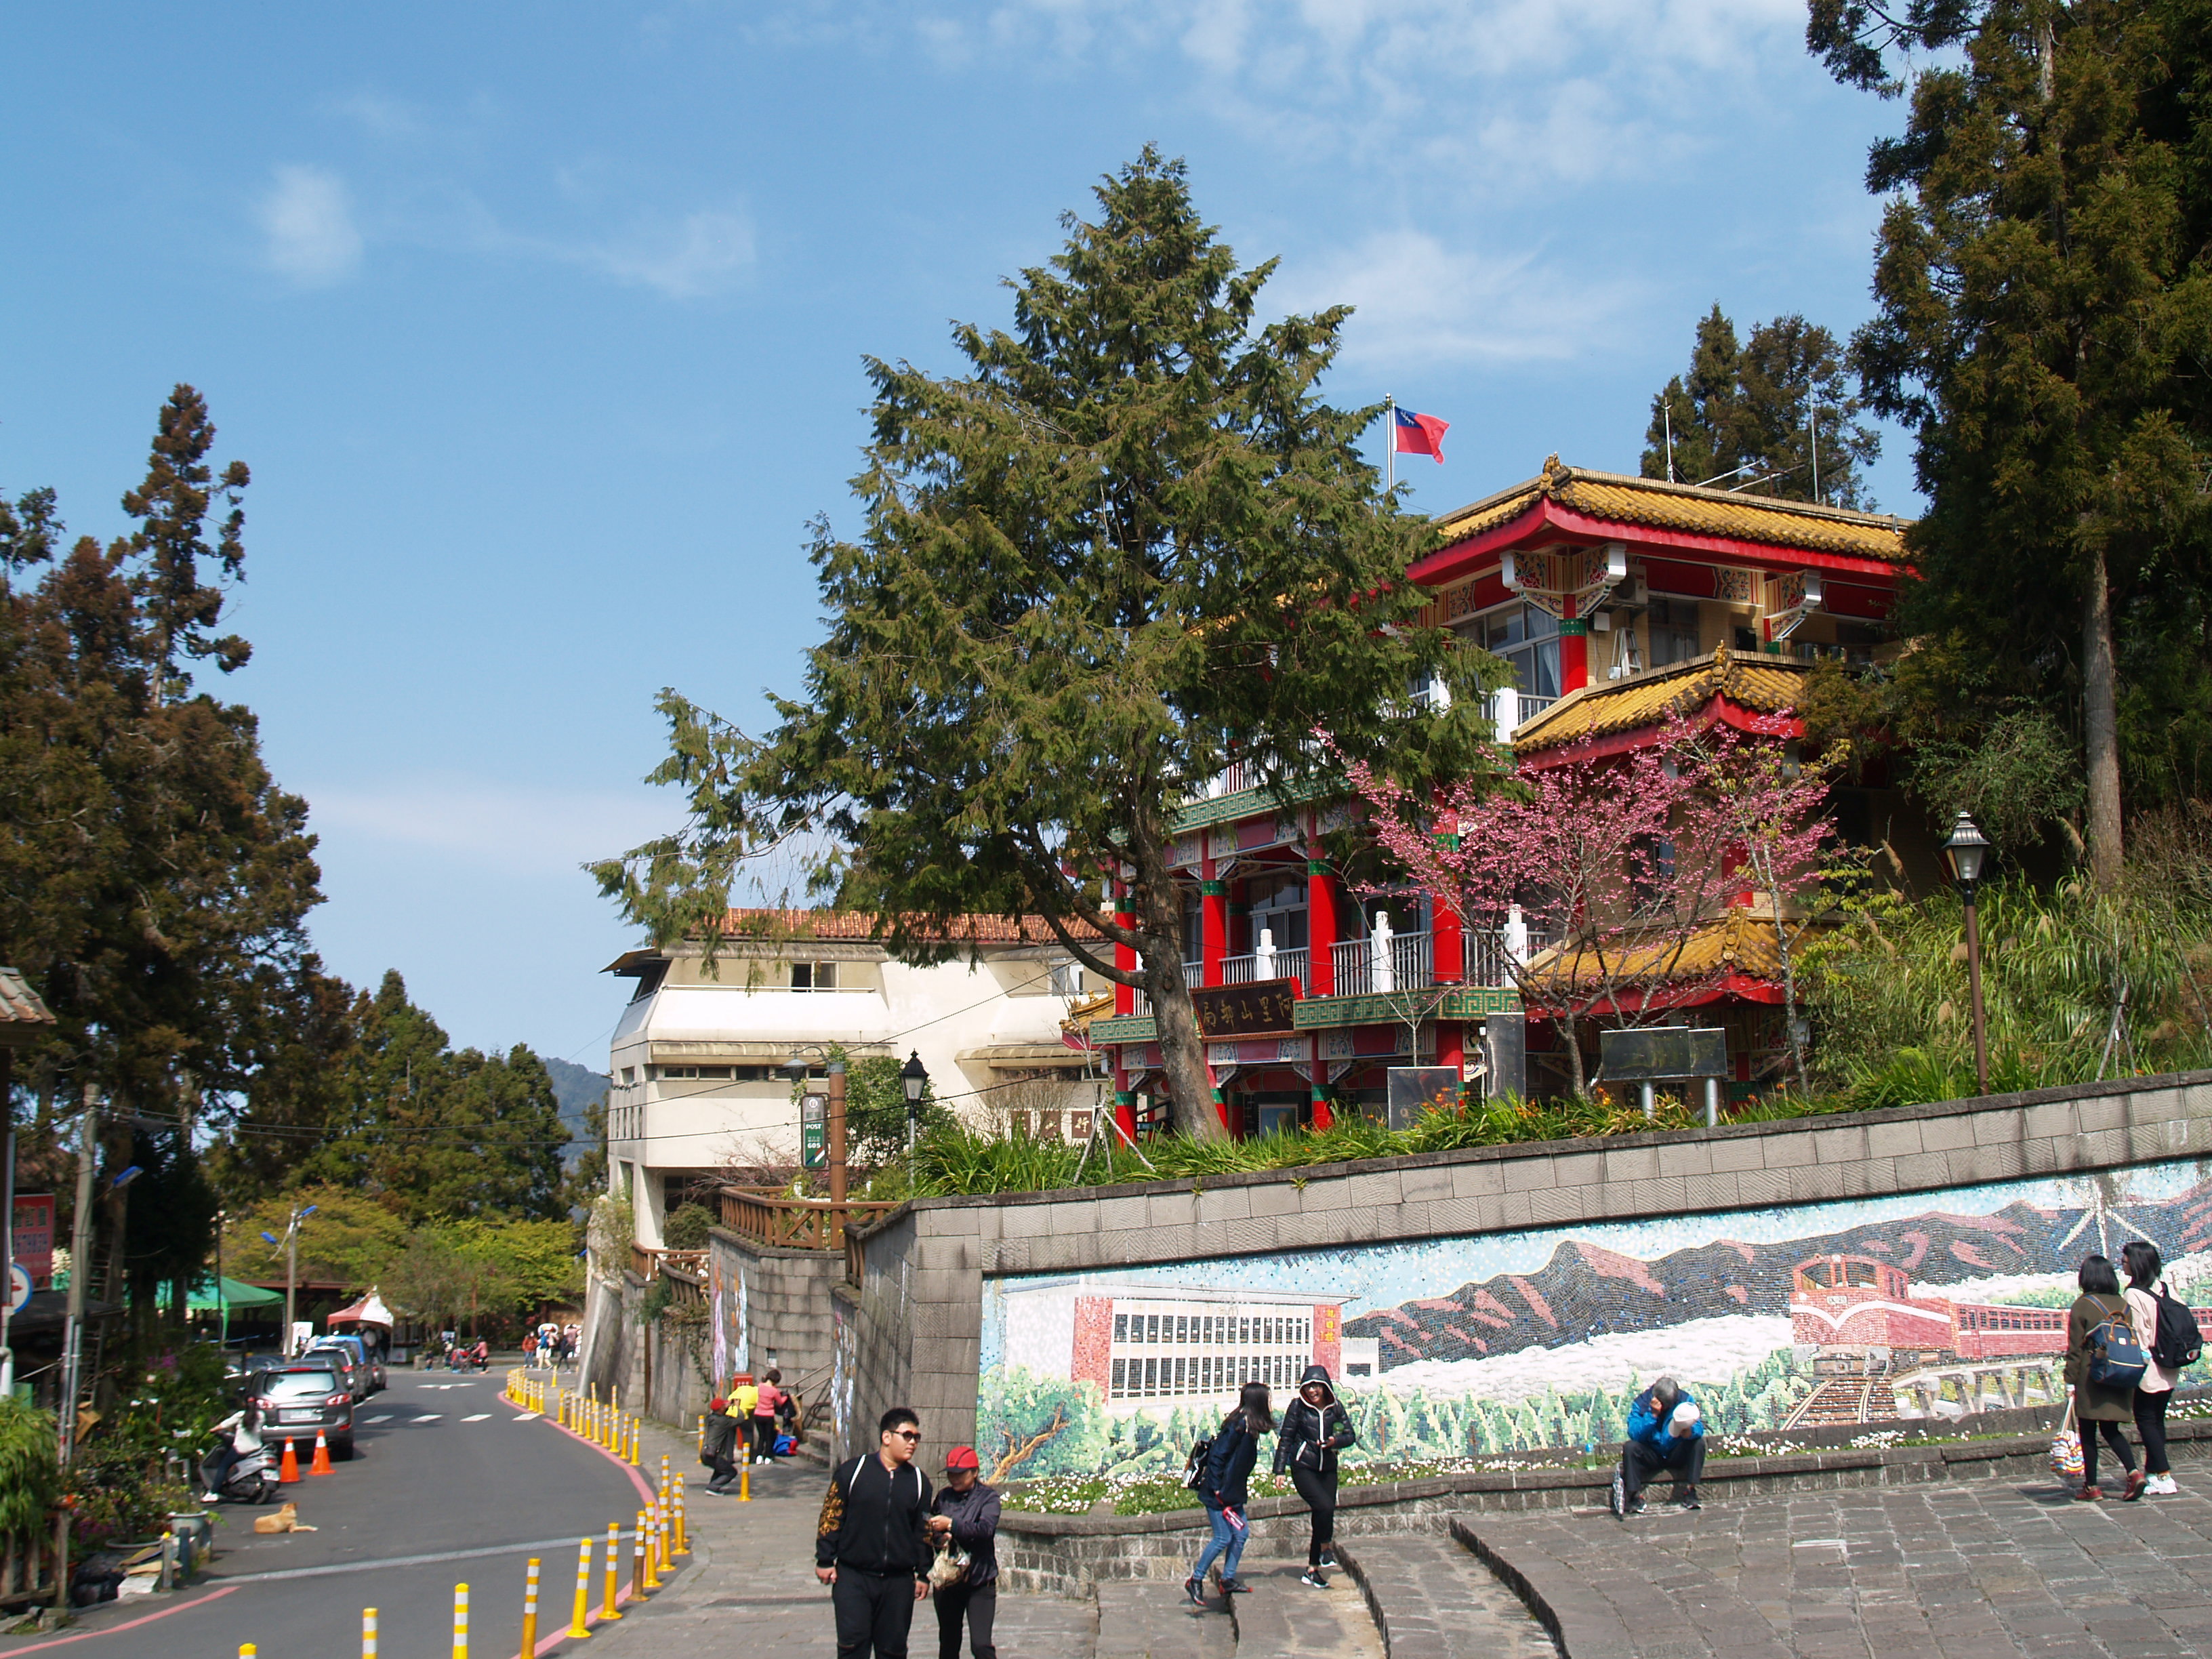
1413, 965
796, 1223
1509, 709
1283, 964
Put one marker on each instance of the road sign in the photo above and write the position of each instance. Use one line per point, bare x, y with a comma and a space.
814, 1132
19, 1288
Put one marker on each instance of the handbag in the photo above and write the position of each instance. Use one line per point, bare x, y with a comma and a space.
949, 1567
2066, 1448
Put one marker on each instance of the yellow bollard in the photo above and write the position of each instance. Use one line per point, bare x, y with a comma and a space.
614, 1583
246, 1650
637, 1559
644, 1546
460, 1621
683, 1533
636, 1441
660, 1540
745, 1476
529, 1611
703, 1431
578, 1630
368, 1633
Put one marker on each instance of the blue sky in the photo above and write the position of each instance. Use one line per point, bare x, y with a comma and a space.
541, 327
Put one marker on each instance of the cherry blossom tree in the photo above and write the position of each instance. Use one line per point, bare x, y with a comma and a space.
1614, 862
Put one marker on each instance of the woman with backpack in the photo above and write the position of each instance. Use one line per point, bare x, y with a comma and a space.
2145, 1295
1315, 1427
1221, 1485
2098, 1400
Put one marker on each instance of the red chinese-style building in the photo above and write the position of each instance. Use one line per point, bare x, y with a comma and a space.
1615, 600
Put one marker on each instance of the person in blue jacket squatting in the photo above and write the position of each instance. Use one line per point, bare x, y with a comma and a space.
1666, 1430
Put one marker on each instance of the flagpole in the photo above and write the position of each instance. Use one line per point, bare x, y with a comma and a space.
1390, 440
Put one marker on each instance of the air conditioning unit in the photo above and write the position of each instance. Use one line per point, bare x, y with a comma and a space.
1631, 592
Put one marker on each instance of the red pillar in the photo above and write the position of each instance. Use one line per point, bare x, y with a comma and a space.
1451, 1042
1320, 926
1213, 926
1574, 651
1125, 996
1447, 941
1322, 1117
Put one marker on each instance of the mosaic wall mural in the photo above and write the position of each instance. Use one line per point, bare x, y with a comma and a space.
1875, 1311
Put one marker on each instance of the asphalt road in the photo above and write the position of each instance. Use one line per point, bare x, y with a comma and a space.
454, 1486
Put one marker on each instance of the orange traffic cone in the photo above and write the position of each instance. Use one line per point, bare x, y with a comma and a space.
287, 1471
322, 1463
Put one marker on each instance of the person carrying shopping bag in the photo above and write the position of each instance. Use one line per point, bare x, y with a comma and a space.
2101, 1348
1222, 1486
1315, 1427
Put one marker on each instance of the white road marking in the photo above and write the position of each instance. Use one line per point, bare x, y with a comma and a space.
428, 1417
479, 1418
386, 1417
527, 1416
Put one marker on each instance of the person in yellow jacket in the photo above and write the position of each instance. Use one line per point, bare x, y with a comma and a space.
744, 1394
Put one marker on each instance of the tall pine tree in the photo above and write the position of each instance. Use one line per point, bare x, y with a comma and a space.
1127, 544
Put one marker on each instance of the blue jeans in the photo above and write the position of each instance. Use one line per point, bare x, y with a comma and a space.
1227, 1542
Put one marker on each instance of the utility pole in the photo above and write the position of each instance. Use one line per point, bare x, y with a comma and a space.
80, 1271
837, 1136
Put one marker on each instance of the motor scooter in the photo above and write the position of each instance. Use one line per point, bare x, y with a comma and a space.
252, 1479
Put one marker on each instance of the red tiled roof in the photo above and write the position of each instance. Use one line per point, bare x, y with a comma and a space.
23, 1018
867, 925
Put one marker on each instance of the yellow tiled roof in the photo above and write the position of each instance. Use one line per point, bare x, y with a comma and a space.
1737, 941
1766, 684
1687, 507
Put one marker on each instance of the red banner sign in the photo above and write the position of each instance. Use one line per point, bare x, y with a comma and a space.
34, 1235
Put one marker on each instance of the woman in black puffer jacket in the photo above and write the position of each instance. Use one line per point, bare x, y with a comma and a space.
1315, 1427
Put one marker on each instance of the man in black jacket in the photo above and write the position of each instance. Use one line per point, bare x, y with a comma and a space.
714, 1450
873, 1541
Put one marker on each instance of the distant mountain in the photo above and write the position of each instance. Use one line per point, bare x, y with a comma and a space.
576, 1087
1584, 1292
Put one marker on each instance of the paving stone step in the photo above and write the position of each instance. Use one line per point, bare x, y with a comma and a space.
1284, 1616
1429, 1598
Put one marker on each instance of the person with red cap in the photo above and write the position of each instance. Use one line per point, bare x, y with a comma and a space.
717, 1448
966, 1514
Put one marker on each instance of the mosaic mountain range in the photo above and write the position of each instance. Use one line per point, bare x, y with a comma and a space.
1585, 1292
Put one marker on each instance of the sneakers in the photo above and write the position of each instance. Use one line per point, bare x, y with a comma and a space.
1234, 1587
2088, 1495
1195, 1591
1685, 1498
1329, 1555
1311, 1576
2137, 1481
1617, 1498
2161, 1486
1635, 1508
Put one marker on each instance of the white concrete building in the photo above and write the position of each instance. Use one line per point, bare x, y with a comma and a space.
699, 1087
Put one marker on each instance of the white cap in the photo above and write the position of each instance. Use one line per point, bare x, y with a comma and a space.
1682, 1422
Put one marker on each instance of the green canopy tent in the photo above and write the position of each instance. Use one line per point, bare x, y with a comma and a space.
234, 1295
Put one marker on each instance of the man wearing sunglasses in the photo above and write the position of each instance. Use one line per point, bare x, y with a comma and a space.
872, 1542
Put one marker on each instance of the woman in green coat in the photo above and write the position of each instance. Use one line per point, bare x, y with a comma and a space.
2097, 1408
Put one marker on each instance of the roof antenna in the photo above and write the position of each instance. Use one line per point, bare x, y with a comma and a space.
1667, 414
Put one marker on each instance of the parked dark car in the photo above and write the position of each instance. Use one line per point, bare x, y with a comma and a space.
306, 1395
367, 1360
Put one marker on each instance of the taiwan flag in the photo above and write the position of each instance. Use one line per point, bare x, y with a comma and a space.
1420, 434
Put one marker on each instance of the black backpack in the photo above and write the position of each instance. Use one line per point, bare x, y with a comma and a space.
2179, 1342
1194, 1470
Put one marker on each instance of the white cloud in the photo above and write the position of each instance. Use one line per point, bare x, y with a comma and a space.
703, 253
1419, 301
307, 221
515, 829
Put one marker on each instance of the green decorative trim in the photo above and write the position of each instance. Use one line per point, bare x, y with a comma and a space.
1244, 804
1213, 889
1125, 1096
1127, 1027
1574, 627
1449, 843
1464, 1002
1317, 866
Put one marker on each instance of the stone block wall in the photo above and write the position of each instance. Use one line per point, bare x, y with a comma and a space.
911, 1332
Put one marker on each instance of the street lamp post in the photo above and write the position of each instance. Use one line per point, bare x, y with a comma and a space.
914, 1076
1966, 852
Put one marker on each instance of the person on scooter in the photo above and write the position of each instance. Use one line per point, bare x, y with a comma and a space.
242, 1433
480, 1356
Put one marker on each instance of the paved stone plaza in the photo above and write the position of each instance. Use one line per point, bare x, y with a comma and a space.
1967, 1569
